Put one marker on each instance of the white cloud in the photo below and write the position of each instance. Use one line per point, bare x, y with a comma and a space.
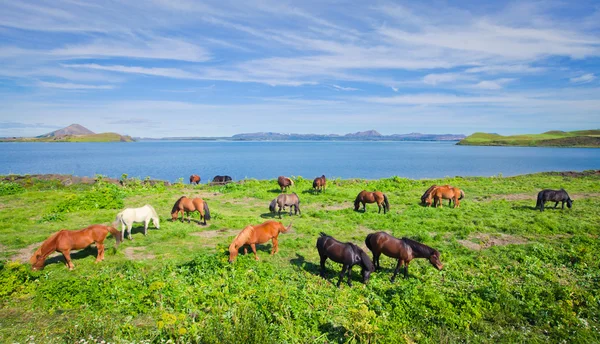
493, 84
71, 86
340, 88
583, 79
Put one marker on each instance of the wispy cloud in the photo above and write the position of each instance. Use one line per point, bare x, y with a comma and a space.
340, 88
585, 78
493, 84
71, 86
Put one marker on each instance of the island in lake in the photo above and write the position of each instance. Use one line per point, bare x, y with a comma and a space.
555, 138
72, 133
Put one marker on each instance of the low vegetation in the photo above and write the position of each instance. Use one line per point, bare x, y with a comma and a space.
580, 138
102, 137
511, 273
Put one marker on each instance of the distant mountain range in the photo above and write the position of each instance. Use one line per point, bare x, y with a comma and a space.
72, 133
369, 135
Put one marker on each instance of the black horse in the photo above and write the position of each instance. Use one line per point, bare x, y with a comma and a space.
284, 200
221, 179
553, 196
347, 254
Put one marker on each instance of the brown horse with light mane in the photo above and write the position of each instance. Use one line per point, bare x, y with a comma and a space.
195, 179
319, 183
403, 249
284, 182
372, 197
64, 241
188, 206
257, 234
445, 192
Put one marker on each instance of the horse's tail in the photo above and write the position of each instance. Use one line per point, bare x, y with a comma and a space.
367, 263
286, 229
176, 205
291, 181
387, 203
462, 195
368, 241
118, 220
117, 234
272, 205
206, 212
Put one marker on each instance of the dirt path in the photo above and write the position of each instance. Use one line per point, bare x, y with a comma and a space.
137, 253
489, 240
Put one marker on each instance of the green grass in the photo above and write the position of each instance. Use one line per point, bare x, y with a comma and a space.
175, 284
581, 138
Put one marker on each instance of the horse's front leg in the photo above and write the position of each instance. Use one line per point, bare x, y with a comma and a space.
253, 246
344, 267
406, 270
279, 212
376, 260
350, 276
67, 255
563, 204
400, 262
146, 227
556, 205
275, 248
100, 247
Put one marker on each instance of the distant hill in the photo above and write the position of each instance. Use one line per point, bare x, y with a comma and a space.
73, 133
554, 138
369, 135
73, 129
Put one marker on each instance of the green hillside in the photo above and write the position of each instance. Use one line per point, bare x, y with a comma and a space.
102, 137
555, 138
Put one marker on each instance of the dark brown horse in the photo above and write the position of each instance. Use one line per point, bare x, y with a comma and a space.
553, 196
372, 197
64, 241
403, 249
319, 183
195, 179
284, 200
284, 182
187, 205
221, 179
347, 254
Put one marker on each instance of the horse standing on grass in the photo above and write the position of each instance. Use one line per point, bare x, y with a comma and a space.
187, 205
284, 200
553, 196
195, 179
372, 197
319, 183
347, 254
221, 179
64, 241
257, 234
403, 249
445, 192
130, 215
284, 182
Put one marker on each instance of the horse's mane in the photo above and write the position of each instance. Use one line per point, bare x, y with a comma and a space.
153, 211
417, 246
243, 237
357, 200
176, 205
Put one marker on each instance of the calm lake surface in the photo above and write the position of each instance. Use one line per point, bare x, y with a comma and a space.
170, 160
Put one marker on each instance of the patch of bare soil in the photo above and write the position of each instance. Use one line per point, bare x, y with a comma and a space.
25, 253
345, 205
224, 232
487, 241
137, 253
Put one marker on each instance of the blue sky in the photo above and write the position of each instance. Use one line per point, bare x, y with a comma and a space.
185, 68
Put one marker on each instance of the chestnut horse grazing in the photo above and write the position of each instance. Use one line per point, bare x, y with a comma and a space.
188, 206
372, 197
347, 254
257, 234
64, 241
284, 182
445, 192
427, 193
403, 249
319, 183
195, 179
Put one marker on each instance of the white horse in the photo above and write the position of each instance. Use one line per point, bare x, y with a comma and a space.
130, 215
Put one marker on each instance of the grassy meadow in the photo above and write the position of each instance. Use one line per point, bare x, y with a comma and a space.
511, 273
556, 138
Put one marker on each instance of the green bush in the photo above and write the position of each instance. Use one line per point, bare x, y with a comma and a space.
10, 188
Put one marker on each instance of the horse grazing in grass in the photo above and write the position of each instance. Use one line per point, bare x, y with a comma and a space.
195, 179
319, 183
403, 249
284, 200
64, 241
187, 205
221, 179
372, 197
347, 254
284, 182
426, 196
130, 215
445, 192
553, 196
257, 234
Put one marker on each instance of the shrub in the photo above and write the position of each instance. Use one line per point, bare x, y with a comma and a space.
10, 188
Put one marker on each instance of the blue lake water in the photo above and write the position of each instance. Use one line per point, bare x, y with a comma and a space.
170, 160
